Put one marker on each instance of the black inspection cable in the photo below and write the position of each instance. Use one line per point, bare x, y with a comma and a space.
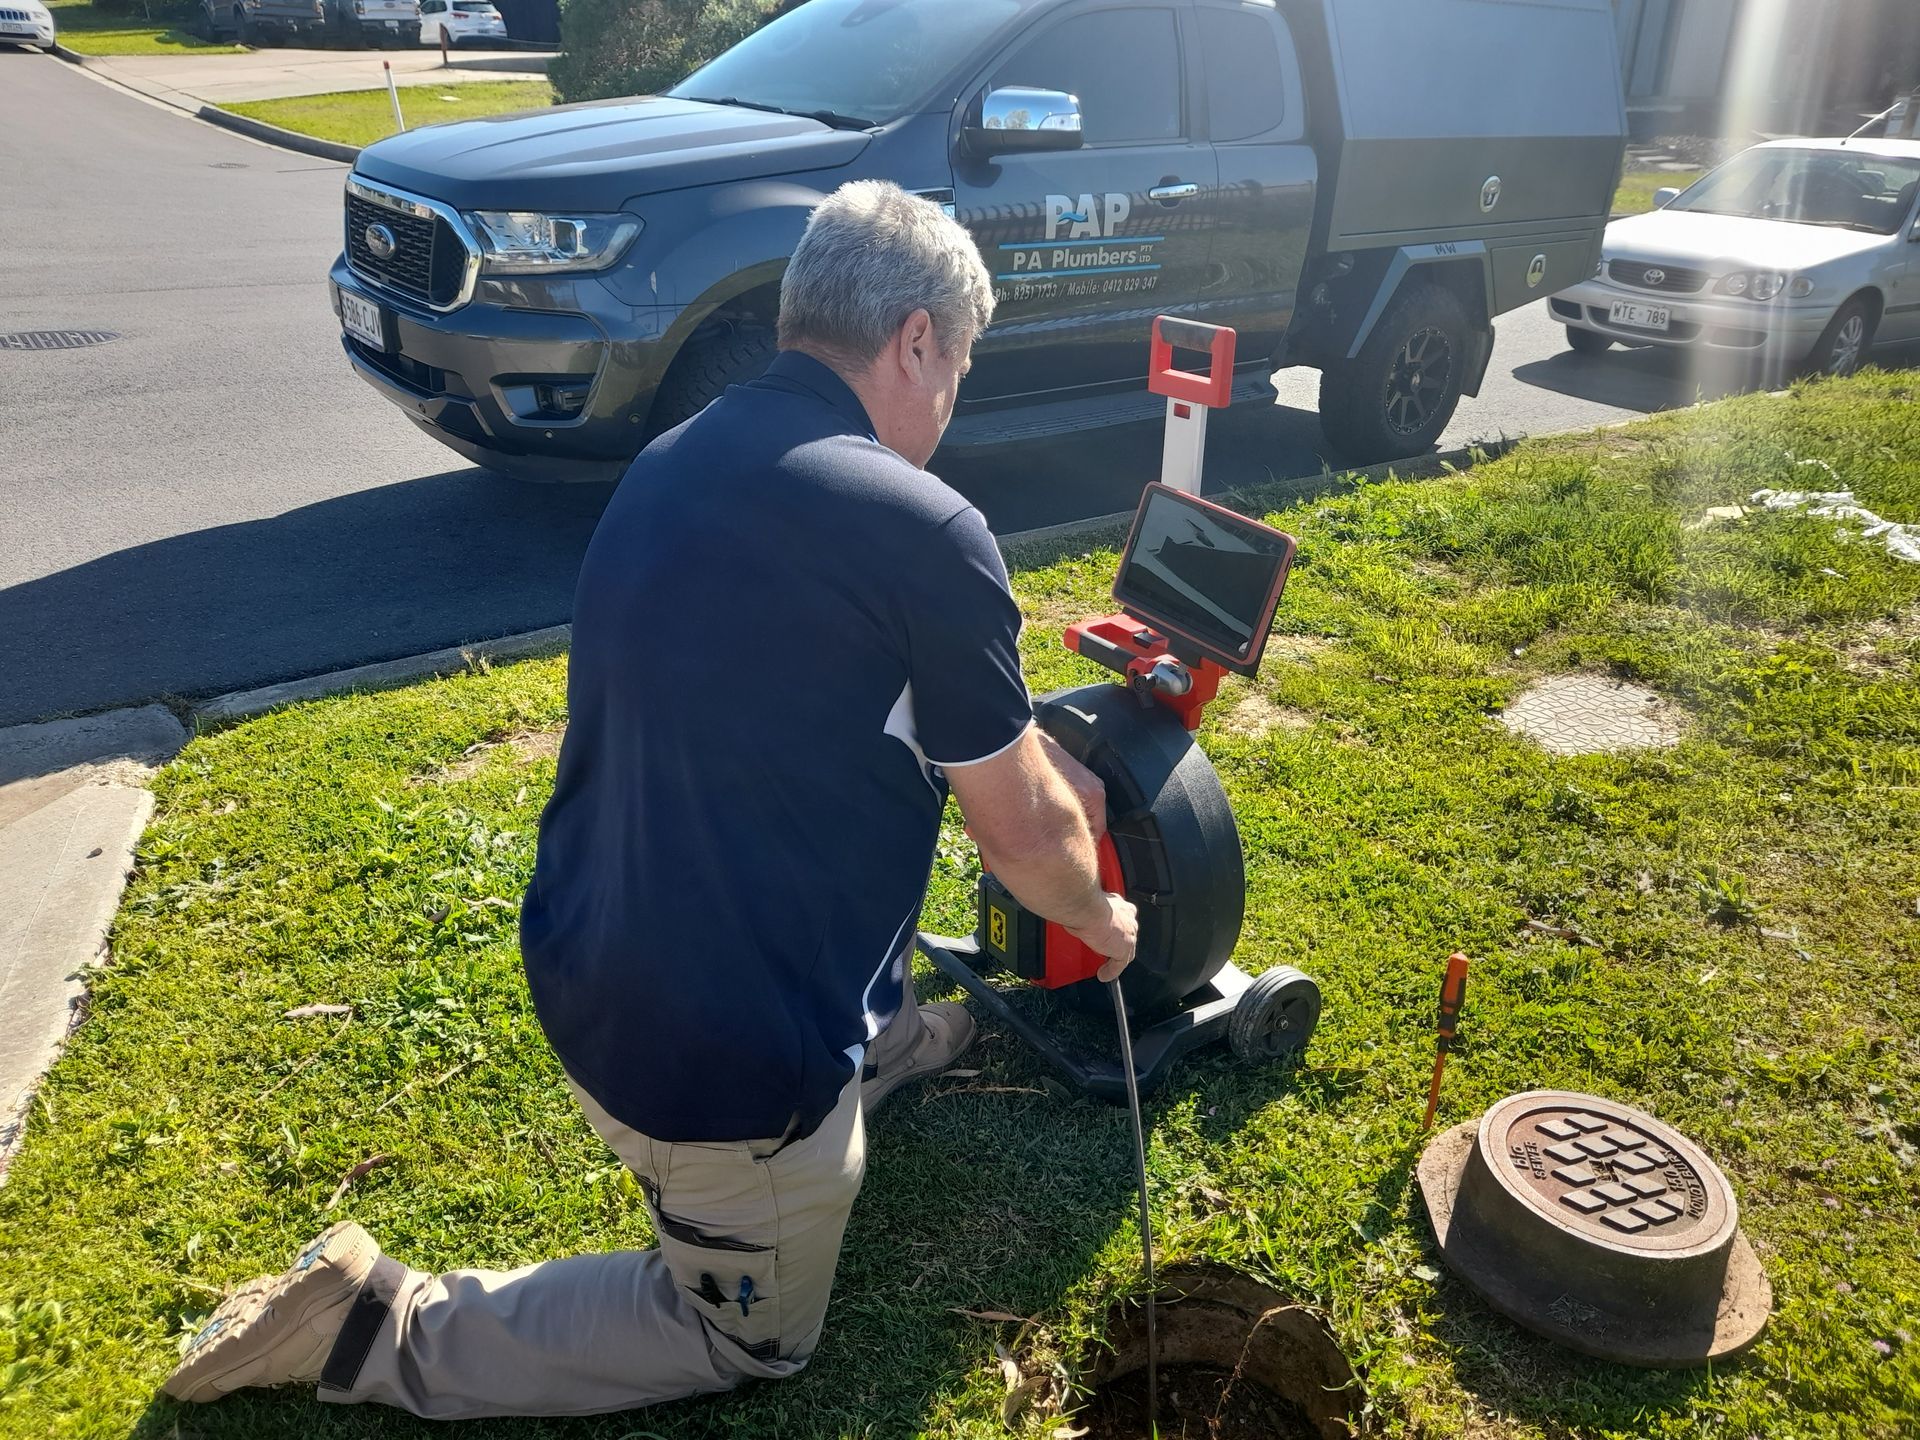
1146, 1220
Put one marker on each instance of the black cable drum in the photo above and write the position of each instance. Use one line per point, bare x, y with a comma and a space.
1174, 832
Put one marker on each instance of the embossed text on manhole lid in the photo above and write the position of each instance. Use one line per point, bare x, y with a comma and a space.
54, 339
1609, 1173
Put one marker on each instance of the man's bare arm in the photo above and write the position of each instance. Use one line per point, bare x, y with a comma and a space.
1033, 832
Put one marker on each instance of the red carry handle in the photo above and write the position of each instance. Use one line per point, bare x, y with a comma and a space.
1213, 389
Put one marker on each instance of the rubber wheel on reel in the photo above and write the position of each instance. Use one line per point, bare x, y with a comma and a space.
1395, 397
1274, 1016
1588, 342
707, 367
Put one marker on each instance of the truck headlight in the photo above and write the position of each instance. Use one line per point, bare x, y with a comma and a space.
522, 242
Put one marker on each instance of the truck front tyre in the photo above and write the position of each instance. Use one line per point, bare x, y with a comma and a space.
1392, 400
707, 367
1588, 342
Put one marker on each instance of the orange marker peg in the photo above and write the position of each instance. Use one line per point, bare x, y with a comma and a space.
1453, 994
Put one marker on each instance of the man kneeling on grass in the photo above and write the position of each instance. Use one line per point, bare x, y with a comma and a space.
789, 640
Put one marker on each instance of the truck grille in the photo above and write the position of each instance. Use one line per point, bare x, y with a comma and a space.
428, 261
1673, 279
19, 15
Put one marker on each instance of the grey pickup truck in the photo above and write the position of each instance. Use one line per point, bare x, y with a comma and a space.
1359, 186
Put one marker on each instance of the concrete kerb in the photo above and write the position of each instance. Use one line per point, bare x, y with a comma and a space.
275, 135
384, 675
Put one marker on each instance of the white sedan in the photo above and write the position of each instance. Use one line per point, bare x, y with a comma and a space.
26, 22
1798, 253
464, 22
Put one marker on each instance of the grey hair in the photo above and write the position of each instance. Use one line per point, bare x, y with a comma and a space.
872, 255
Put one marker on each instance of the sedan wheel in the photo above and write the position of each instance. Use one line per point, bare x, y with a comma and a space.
1844, 344
1844, 358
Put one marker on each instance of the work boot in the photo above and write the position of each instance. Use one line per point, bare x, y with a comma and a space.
919, 1042
278, 1329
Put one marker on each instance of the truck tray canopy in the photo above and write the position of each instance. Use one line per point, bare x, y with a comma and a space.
1429, 101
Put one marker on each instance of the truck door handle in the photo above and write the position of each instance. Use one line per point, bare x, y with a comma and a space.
1167, 194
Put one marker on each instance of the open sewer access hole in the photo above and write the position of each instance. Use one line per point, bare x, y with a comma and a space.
1238, 1361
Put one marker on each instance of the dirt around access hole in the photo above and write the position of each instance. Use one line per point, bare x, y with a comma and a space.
1197, 1402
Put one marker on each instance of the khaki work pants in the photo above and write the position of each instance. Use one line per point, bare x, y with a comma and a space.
749, 1237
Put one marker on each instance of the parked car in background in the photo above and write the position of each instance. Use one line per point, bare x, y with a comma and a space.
1796, 253
375, 22
461, 22
26, 22
257, 21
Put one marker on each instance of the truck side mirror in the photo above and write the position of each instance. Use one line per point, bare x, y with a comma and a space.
1664, 197
1015, 119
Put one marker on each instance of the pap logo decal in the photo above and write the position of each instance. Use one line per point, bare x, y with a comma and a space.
1086, 220
1083, 254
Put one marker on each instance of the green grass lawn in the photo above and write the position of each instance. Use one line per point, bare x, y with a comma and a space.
1751, 895
360, 117
1635, 195
87, 31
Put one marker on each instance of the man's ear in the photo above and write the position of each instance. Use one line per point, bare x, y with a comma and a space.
918, 342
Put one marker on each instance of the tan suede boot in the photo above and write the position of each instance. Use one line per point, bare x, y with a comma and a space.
921, 1041
278, 1329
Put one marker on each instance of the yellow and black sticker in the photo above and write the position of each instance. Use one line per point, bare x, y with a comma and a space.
997, 928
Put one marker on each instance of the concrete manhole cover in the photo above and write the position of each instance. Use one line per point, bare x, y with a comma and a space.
1597, 1226
54, 339
1591, 714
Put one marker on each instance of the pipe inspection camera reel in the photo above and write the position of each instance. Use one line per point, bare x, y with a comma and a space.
1197, 588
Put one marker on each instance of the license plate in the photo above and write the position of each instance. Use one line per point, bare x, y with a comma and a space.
1641, 317
362, 319
393, 24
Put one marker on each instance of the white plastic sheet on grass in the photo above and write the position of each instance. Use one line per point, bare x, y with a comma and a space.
1901, 541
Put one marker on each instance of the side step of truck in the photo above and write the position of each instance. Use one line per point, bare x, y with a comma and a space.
1066, 417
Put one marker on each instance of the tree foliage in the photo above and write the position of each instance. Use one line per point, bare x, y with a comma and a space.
636, 47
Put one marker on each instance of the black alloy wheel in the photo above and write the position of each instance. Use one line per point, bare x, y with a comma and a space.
1417, 385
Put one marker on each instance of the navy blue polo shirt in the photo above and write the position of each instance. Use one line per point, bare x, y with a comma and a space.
782, 632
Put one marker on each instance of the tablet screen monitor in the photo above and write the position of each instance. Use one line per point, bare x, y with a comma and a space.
1204, 575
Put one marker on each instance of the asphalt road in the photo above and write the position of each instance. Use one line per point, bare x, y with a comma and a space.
213, 500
